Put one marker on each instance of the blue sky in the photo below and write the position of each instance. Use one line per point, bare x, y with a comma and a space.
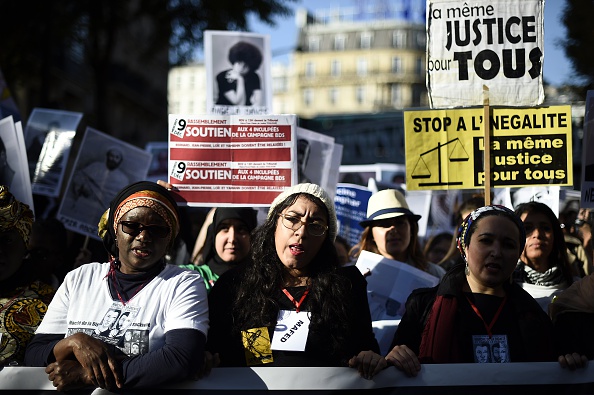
557, 69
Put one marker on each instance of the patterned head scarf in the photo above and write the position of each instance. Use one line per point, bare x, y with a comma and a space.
140, 194
14, 214
466, 228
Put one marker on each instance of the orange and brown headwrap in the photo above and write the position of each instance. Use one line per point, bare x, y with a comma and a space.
152, 200
14, 214
140, 194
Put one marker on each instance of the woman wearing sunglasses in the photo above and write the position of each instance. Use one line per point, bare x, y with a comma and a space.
293, 304
165, 305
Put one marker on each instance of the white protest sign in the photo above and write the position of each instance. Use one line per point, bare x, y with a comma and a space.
13, 161
388, 286
48, 139
104, 165
317, 155
496, 43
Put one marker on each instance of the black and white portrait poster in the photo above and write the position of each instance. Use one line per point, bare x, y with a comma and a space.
13, 161
317, 155
158, 168
238, 76
103, 166
48, 138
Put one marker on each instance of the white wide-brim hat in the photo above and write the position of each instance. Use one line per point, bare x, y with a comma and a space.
388, 203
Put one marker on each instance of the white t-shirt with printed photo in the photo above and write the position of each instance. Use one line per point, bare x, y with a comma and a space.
175, 299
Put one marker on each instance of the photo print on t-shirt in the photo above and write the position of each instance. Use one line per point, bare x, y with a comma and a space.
115, 322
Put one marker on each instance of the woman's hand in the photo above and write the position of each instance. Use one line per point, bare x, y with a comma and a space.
99, 364
68, 375
573, 361
166, 185
404, 359
210, 361
368, 363
233, 75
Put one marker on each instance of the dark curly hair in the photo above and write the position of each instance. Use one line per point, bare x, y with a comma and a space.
255, 305
245, 52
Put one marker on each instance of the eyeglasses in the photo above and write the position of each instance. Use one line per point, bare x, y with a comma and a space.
135, 228
294, 223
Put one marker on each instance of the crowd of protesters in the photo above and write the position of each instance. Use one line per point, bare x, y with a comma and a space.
134, 316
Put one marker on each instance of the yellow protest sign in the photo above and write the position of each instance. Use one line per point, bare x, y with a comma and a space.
529, 147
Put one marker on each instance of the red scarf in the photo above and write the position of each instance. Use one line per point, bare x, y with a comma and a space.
439, 343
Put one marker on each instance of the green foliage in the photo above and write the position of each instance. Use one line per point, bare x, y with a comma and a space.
36, 35
577, 17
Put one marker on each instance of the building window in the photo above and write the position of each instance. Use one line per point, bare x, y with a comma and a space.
314, 44
380, 149
191, 81
366, 39
421, 40
399, 39
279, 84
396, 65
339, 43
419, 66
310, 69
307, 97
333, 95
335, 68
417, 94
396, 95
360, 94
178, 81
361, 67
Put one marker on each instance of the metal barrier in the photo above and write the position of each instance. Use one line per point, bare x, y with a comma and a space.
541, 378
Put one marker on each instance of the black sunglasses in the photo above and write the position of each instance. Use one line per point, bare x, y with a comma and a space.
135, 228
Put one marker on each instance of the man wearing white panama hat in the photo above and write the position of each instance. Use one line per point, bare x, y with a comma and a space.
391, 230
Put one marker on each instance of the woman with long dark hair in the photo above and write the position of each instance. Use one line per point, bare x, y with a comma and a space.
293, 304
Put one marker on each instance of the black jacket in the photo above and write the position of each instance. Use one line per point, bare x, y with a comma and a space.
223, 339
534, 327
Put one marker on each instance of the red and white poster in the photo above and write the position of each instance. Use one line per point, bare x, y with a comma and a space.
231, 160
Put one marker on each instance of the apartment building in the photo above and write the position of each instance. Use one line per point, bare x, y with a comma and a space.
346, 63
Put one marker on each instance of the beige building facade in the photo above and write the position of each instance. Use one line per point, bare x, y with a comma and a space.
349, 67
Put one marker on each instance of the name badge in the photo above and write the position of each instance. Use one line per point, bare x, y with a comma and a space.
292, 329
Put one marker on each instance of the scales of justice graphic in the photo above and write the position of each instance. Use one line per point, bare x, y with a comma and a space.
427, 161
